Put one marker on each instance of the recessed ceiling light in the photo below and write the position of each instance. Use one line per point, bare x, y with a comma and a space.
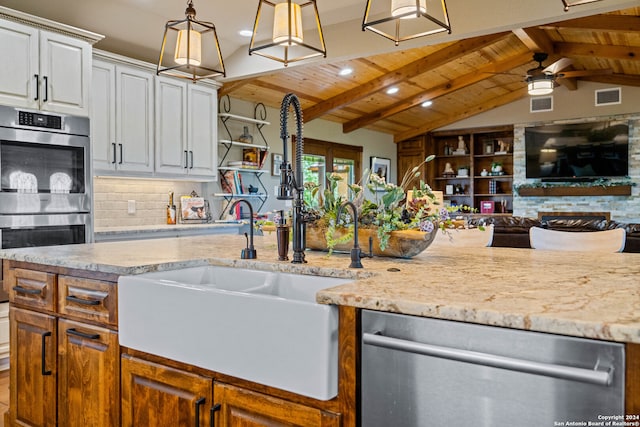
392, 90
345, 71
245, 33
426, 104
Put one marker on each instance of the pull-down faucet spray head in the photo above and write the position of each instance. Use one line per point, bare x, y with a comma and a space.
291, 187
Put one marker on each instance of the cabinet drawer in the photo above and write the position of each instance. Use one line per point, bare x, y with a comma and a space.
88, 299
31, 288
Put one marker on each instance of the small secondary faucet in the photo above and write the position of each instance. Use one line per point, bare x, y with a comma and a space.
290, 183
356, 252
249, 252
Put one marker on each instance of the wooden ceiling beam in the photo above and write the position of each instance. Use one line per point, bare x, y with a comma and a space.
228, 87
420, 66
535, 39
617, 23
620, 53
451, 86
477, 109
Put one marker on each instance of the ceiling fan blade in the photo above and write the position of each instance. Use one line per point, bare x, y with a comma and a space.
560, 64
584, 73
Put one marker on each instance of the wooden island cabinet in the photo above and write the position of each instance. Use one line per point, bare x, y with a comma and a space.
64, 347
67, 368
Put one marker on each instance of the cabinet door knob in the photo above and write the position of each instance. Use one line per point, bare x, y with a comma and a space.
114, 152
186, 159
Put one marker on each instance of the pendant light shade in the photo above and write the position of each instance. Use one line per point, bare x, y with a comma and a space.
408, 9
279, 31
190, 49
284, 16
540, 85
401, 20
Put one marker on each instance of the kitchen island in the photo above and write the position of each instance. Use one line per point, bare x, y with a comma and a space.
582, 295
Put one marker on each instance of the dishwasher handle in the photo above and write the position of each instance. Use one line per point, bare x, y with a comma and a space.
603, 378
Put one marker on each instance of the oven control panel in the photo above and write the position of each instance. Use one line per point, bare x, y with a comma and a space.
28, 118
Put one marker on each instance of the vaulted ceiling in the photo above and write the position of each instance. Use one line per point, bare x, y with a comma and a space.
461, 78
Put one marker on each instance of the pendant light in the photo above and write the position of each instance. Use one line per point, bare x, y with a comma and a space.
190, 49
401, 20
540, 85
278, 32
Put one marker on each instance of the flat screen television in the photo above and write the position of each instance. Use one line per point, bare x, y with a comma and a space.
577, 151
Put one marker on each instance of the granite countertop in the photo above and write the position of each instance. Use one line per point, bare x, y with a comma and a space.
576, 294
145, 229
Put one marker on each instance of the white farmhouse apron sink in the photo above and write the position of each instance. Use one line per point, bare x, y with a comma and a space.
260, 326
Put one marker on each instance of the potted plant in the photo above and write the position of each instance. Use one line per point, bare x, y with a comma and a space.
398, 228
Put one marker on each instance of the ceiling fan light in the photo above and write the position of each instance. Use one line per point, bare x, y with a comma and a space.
283, 20
408, 9
540, 86
188, 47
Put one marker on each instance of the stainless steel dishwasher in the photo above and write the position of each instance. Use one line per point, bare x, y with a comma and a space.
427, 372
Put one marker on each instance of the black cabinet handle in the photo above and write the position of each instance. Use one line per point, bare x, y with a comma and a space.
120, 145
22, 290
46, 89
82, 301
199, 402
186, 159
73, 331
35, 76
215, 408
191, 157
114, 152
43, 357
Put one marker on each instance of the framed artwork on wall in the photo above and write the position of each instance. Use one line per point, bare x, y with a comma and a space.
276, 161
381, 167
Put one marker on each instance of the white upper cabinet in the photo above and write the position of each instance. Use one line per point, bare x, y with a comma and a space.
44, 70
186, 128
122, 118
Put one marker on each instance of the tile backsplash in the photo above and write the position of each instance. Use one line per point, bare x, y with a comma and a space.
111, 196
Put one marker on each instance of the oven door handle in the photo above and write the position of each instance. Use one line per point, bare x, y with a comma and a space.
591, 376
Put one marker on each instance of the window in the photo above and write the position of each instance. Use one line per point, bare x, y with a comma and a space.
321, 158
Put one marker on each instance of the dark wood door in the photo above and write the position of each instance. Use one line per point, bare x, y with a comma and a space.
33, 397
156, 395
243, 408
88, 380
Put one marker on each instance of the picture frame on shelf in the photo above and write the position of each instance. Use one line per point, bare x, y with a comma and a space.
276, 161
381, 166
488, 147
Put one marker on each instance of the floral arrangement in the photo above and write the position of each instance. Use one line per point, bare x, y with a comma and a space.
387, 212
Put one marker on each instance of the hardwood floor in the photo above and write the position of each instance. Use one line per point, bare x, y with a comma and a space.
4, 395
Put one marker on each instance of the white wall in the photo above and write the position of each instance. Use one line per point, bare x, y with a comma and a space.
567, 104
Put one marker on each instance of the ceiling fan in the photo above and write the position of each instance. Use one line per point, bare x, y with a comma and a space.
541, 80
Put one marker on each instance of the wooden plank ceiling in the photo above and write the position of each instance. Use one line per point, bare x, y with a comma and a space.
461, 78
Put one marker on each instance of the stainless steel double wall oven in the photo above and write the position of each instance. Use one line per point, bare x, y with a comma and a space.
45, 179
